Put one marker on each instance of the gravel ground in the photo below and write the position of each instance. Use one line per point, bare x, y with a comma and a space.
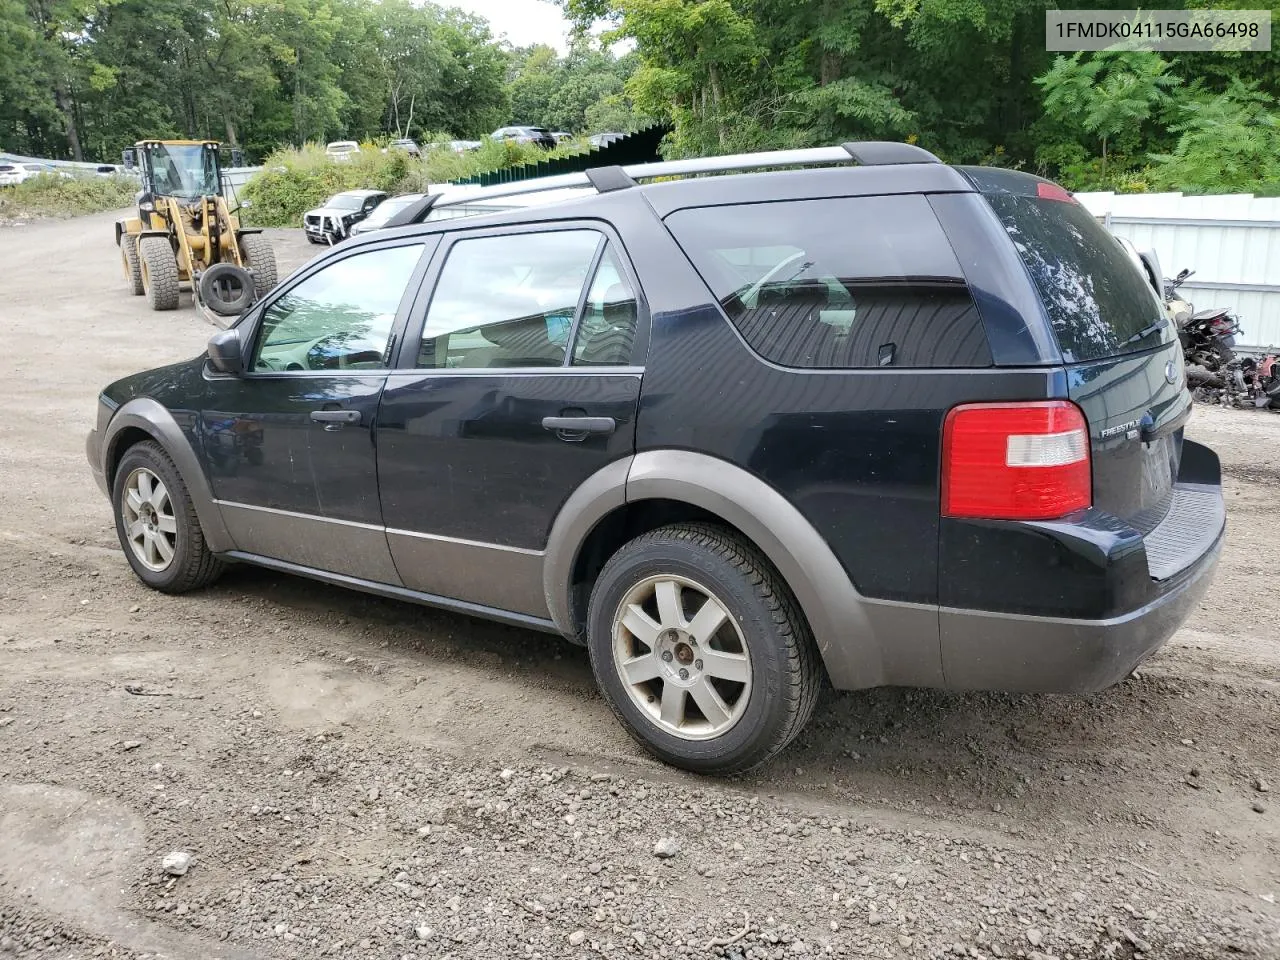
361, 778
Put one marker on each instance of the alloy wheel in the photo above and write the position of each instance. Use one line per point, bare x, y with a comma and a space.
681, 657
151, 528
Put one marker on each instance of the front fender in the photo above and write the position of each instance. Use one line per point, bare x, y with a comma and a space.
149, 416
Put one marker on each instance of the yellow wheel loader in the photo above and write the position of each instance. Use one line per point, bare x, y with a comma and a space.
185, 233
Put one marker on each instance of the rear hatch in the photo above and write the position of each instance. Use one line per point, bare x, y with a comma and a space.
1124, 363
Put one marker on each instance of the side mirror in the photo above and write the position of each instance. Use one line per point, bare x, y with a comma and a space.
226, 352
130, 158
1182, 275
237, 157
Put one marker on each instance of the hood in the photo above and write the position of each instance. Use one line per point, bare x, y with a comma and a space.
329, 212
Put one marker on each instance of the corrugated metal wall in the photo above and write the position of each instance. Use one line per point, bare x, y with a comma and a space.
1232, 242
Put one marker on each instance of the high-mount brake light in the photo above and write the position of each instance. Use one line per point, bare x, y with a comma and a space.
1015, 461
1051, 191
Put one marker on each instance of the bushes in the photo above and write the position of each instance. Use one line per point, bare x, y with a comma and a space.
49, 195
294, 181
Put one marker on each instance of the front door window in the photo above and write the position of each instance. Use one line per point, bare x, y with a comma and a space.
339, 318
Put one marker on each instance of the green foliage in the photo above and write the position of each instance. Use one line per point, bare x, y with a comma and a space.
967, 79
1227, 143
87, 78
1111, 96
575, 93
49, 195
294, 181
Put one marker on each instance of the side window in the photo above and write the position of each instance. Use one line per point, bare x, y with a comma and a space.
507, 301
838, 283
607, 330
339, 318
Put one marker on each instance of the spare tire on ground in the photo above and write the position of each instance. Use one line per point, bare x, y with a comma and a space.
226, 289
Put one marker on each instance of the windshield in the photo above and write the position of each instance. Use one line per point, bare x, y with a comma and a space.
184, 170
344, 201
389, 208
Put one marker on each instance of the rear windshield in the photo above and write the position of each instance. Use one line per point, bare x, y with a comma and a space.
1098, 302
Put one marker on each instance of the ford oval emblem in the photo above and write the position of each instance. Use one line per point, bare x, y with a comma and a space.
1171, 372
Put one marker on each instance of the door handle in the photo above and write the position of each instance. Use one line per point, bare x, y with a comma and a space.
334, 419
577, 428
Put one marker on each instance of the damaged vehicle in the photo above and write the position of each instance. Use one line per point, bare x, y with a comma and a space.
872, 420
332, 222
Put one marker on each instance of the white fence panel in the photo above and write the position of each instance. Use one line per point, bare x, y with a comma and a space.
1232, 242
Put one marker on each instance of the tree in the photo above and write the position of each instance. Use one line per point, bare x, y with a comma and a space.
1227, 143
1111, 95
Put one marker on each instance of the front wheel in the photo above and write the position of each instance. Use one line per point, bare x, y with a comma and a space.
159, 272
157, 523
131, 264
700, 649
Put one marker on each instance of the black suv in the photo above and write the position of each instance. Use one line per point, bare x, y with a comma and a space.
893, 423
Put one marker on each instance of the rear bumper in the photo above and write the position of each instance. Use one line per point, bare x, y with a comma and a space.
1084, 600
1030, 654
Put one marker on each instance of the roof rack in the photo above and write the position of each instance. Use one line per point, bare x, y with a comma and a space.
608, 179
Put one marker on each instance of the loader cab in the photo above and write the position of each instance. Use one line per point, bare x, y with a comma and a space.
184, 169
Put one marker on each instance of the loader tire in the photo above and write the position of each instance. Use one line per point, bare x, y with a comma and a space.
260, 258
159, 272
130, 263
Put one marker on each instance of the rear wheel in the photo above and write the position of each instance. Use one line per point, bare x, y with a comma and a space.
159, 272
700, 649
157, 523
259, 257
130, 263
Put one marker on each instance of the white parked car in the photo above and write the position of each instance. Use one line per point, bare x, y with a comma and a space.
12, 174
342, 150
383, 212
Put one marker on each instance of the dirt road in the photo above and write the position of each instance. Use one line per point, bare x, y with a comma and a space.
364, 778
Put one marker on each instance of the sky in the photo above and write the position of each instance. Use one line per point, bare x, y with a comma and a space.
524, 22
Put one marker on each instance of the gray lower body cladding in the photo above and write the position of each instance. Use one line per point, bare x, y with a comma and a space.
863, 642
1027, 654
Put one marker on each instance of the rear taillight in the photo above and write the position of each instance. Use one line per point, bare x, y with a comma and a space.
1015, 461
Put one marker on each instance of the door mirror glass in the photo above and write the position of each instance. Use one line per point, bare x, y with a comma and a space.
129, 158
508, 301
226, 351
237, 157
339, 318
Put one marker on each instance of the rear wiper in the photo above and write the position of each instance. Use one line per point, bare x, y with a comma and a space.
1145, 332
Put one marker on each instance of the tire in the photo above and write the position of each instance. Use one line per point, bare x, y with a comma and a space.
159, 272
226, 289
767, 674
260, 258
186, 564
130, 263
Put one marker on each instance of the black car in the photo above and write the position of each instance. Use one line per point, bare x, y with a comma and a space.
893, 423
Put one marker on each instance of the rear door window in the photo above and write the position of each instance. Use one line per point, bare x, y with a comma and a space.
1098, 304
858, 282
508, 301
